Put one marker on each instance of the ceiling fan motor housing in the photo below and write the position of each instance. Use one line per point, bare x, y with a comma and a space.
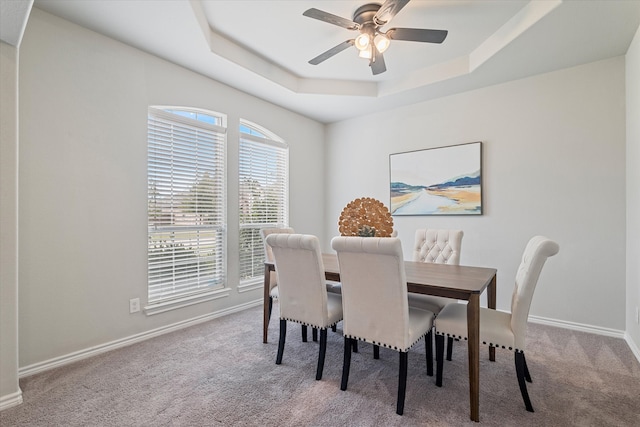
365, 13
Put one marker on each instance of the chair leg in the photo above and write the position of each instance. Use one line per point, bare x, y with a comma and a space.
322, 351
402, 382
520, 372
527, 376
283, 336
439, 358
428, 343
334, 328
346, 364
449, 347
314, 334
304, 333
376, 352
354, 345
270, 306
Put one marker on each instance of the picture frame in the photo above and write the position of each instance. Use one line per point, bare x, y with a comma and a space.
437, 181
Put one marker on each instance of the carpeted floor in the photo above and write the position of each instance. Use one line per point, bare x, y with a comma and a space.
219, 373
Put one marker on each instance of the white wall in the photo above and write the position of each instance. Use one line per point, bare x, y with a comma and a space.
553, 164
10, 393
633, 190
83, 227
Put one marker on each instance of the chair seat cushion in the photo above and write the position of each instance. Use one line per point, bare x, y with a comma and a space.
274, 292
334, 312
495, 326
334, 287
420, 322
334, 308
427, 302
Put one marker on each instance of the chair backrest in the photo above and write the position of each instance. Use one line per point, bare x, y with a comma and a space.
264, 232
438, 246
302, 286
374, 290
535, 254
268, 252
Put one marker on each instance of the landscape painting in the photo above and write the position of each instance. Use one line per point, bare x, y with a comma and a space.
437, 181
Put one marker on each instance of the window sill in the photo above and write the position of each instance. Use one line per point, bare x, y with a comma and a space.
177, 303
251, 285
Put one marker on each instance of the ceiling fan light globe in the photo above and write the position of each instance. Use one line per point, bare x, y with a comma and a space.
382, 42
365, 53
362, 42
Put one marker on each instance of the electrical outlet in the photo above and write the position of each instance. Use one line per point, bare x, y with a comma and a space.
134, 305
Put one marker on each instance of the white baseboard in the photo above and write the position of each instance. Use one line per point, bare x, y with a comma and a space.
10, 400
103, 348
578, 327
633, 346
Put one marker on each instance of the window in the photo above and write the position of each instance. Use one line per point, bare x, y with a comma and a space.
264, 194
186, 205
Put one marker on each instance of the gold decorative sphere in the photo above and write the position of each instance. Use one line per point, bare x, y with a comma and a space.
365, 217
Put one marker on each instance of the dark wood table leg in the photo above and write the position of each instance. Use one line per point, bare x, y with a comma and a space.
473, 330
265, 305
491, 303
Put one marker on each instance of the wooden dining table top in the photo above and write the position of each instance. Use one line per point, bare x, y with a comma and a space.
446, 280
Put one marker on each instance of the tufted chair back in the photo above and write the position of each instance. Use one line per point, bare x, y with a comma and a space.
374, 290
535, 254
268, 252
302, 289
438, 246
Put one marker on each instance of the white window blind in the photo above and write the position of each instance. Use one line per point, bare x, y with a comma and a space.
186, 205
264, 196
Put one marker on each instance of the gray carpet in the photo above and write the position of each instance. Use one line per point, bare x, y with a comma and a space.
219, 373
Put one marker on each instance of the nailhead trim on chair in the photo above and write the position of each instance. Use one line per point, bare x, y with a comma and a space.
385, 345
309, 324
483, 342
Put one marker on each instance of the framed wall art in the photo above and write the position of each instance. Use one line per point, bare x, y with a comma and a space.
437, 181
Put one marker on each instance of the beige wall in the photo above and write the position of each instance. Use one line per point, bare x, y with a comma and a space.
633, 192
9, 389
83, 188
554, 164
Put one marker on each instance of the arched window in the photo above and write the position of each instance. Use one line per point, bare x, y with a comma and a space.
264, 194
186, 205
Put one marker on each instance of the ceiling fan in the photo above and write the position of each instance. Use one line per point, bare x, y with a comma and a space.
372, 41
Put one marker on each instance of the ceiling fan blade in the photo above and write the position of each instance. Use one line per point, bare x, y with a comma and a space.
333, 51
331, 19
388, 10
377, 62
417, 35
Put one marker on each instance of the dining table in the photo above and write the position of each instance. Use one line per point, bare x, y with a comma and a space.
444, 280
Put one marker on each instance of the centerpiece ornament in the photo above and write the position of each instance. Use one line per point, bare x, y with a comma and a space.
366, 217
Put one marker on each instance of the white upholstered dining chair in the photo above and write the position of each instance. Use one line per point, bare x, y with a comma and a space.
440, 246
273, 292
500, 329
375, 304
268, 256
303, 295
